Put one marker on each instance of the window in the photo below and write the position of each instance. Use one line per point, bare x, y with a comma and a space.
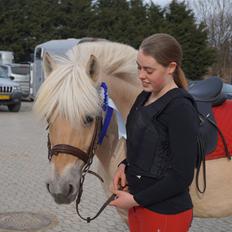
3, 72
21, 70
38, 53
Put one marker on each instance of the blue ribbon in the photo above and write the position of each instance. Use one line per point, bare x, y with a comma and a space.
105, 97
106, 124
109, 112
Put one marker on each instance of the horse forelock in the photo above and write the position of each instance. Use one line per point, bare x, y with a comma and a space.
68, 92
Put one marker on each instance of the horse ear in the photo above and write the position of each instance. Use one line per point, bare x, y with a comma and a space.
92, 67
48, 64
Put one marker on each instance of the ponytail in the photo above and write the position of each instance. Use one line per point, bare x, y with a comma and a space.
179, 78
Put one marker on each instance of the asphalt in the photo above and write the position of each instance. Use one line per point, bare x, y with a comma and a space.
24, 169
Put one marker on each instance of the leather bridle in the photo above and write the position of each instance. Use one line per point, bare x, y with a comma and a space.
87, 158
71, 150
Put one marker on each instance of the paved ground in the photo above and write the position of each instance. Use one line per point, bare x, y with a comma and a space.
23, 171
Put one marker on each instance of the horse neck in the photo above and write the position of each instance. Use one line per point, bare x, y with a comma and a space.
123, 94
112, 151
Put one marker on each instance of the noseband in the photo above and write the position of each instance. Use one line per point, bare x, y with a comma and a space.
87, 158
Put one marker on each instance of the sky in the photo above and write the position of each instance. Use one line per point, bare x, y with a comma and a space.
162, 3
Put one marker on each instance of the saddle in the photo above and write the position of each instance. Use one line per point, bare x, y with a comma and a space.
208, 93
209, 90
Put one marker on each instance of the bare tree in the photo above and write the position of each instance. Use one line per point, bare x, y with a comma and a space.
217, 16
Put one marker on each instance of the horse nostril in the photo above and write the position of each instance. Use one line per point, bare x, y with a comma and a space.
71, 189
47, 185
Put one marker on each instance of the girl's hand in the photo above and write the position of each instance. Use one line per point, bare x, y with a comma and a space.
124, 200
120, 177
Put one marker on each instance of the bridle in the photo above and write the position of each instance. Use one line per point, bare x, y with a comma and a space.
87, 158
71, 150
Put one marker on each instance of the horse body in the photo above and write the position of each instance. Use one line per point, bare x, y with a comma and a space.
65, 100
217, 200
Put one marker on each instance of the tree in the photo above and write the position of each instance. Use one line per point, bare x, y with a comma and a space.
11, 26
217, 16
74, 19
125, 21
138, 28
26, 23
198, 56
156, 20
111, 20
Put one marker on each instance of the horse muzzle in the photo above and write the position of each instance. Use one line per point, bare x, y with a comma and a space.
62, 192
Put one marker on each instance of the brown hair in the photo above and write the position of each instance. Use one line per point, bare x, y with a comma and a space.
165, 49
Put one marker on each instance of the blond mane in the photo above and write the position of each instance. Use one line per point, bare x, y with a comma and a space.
71, 93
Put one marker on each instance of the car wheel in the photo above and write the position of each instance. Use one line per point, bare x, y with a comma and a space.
14, 107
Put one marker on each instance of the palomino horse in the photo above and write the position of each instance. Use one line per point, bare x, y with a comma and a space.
69, 100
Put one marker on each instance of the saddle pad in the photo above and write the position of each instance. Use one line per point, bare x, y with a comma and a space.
223, 118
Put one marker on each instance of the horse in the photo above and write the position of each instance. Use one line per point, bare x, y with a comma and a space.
70, 102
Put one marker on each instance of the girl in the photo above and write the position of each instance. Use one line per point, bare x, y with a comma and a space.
162, 129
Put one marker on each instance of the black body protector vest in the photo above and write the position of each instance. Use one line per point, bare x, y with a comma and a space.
148, 150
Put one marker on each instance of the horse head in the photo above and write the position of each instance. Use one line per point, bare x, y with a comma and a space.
69, 100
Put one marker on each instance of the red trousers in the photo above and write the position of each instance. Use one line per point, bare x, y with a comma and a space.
144, 220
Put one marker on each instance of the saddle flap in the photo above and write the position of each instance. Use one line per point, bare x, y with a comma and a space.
208, 133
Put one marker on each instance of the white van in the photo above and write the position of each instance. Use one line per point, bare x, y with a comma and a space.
53, 47
6, 57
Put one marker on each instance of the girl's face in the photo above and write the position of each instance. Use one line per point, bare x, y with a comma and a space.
153, 75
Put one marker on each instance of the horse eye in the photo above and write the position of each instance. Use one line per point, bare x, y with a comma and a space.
88, 119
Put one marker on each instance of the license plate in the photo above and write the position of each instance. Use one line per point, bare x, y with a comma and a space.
4, 97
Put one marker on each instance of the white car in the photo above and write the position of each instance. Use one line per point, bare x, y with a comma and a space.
10, 92
19, 73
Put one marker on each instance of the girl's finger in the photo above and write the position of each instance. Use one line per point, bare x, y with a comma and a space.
116, 181
123, 180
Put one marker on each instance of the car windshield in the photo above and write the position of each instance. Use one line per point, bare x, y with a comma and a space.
3, 72
21, 70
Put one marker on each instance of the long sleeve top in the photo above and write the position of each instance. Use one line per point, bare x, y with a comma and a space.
168, 194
